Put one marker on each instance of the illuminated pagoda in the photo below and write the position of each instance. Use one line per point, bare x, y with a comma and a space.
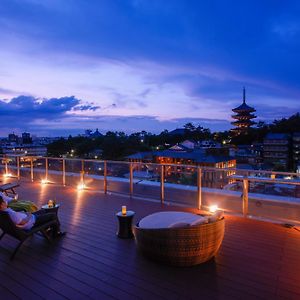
243, 116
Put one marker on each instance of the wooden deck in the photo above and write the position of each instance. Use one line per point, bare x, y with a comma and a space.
256, 260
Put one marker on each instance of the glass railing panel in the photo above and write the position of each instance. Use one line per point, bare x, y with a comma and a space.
55, 170
181, 185
39, 169
74, 174
94, 175
118, 177
9, 169
25, 167
219, 187
146, 181
277, 199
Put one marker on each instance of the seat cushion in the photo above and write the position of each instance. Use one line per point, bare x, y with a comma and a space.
168, 219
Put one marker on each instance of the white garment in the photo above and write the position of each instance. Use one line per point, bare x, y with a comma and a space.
6, 198
17, 218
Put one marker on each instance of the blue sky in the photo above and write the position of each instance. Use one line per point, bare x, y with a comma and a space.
69, 65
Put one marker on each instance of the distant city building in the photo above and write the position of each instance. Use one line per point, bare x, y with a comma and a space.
25, 150
89, 133
208, 144
25, 145
249, 155
184, 146
243, 116
176, 173
276, 150
178, 131
13, 138
191, 145
96, 133
296, 151
95, 154
26, 138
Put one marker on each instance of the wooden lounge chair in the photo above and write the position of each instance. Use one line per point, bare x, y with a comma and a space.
8, 227
9, 187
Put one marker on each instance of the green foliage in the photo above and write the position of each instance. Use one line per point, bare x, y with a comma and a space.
118, 145
258, 133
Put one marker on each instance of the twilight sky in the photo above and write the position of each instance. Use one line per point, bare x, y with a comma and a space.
131, 65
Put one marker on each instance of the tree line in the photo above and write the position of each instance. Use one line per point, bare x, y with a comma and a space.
117, 145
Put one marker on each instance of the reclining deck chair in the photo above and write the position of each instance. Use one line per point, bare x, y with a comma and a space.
8, 227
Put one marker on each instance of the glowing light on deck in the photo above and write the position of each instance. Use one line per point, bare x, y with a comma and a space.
213, 208
44, 181
7, 175
81, 186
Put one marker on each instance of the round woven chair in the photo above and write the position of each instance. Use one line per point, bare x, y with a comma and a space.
186, 246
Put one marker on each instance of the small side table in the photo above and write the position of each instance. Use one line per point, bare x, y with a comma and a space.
53, 209
125, 224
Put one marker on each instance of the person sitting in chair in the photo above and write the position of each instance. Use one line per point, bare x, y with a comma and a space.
26, 221
17, 205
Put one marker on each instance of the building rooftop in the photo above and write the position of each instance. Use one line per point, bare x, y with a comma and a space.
196, 155
277, 136
244, 107
178, 131
257, 260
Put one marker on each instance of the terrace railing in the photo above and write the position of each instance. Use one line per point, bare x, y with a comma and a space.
252, 193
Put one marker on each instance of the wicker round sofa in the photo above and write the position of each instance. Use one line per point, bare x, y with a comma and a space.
184, 246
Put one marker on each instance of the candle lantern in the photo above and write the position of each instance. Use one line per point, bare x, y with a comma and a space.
123, 210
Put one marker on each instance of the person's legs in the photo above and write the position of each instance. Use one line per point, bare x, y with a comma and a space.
42, 217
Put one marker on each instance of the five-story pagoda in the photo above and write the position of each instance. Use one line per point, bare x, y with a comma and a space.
243, 116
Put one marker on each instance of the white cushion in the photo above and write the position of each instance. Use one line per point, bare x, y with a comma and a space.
179, 225
216, 216
167, 218
201, 220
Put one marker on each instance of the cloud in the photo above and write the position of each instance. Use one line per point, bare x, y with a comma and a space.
31, 108
7, 91
154, 58
87, 107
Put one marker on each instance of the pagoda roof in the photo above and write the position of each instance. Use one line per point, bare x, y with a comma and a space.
244, 122
244, 107
244, 117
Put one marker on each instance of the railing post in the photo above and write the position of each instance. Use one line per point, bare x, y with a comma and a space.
245, 196
31, 169
64, 172
82, 172
162, 184
105, 178
6, 166
46, 168
131, 180
18, 167
199, 187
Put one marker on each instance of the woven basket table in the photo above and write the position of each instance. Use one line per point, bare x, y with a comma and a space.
186, 246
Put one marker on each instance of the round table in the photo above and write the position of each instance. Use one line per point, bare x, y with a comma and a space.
125, 224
